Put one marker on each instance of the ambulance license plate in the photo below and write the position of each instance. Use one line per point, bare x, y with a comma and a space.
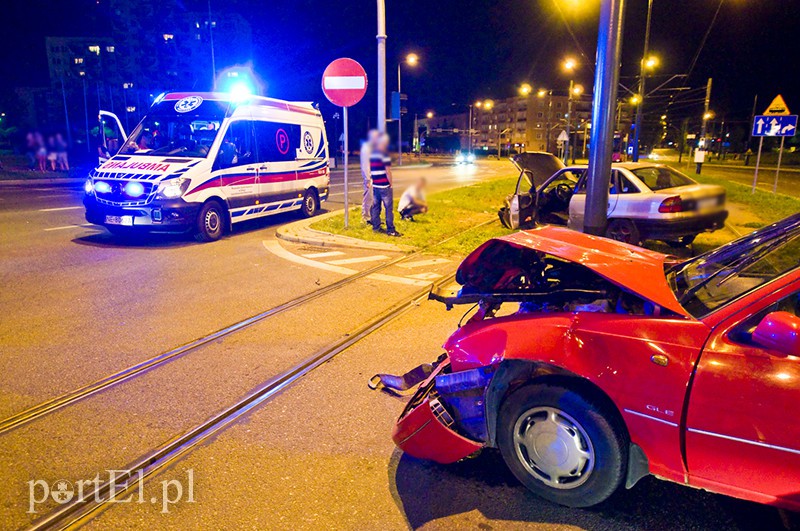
120, 220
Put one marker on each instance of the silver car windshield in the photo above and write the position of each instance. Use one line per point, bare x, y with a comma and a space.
719, 277
164, 131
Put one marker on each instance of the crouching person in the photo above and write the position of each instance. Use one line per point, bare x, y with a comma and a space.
413, 202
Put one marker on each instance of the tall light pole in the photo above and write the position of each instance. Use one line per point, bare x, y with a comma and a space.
549, 93
569, 66
641, 81
411, 59
609, 47
381, 66
525, 91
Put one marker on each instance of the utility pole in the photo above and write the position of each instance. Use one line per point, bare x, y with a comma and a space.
470, 129
638, 127
569, 120
381, 66
706, 104
609, 47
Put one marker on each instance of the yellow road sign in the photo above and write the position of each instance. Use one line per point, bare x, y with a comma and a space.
778, 107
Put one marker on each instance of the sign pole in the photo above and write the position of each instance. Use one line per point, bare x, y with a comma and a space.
758, 161
778, 169
346, 157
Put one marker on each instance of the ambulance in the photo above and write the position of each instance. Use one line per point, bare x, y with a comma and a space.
202, 162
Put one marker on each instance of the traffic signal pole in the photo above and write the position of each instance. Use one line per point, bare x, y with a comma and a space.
381, 66
609, 46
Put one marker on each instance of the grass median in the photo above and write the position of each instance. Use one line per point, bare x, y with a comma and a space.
451, 212
765, 207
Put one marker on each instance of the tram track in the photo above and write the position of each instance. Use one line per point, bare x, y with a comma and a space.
81, 510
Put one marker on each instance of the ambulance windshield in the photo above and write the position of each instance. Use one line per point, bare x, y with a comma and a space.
169, 129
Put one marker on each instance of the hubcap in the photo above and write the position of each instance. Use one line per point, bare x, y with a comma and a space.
309, 204
553, 448
212, 221
621, 233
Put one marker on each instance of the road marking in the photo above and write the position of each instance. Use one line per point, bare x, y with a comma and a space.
59, 208
359, 260
424, 263
426, 276
323, 255
398, 280
275, 248
68, 227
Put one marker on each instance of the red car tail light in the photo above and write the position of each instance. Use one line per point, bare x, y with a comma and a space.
671, 204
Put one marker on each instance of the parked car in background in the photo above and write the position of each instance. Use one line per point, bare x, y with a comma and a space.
619, 363
646, 201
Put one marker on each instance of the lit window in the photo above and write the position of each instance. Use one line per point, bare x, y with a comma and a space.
79, 60
168, 37
131, 109
81, 73
110, 49
94, 49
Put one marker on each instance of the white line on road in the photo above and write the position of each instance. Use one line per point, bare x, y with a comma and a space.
68, 227
59, 208
358, 260
426, 276
424, 263
275, 248
323, 255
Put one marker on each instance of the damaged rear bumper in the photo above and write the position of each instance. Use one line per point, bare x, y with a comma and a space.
445, 419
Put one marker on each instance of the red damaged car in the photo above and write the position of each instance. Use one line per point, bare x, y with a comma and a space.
591, 363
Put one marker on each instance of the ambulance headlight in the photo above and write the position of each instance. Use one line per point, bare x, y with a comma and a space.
460, 157
173, 188
88, 187
471, 157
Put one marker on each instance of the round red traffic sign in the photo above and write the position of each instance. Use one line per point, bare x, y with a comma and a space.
344, 82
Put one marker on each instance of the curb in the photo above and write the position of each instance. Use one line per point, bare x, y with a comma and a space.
301, 232
34, 181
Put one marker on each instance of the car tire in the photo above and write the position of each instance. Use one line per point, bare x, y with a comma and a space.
210, 222
684, 241
310, 203
562, 445
623, 230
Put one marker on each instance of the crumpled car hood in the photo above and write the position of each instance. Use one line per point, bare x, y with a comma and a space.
633, 268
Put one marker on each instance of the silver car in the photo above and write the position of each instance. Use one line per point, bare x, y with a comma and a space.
646, 201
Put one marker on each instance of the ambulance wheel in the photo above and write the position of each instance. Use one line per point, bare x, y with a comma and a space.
310, 203
210, 222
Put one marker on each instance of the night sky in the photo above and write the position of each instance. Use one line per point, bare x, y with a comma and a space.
468, 49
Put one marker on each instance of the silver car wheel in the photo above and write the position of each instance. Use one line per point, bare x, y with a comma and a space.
553, 447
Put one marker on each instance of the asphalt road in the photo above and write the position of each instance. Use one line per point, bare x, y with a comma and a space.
78, 304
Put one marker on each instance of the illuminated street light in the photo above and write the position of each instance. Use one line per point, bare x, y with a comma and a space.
411, 59
488, 104
577, 90
708, 116
636, 99
570, 64
430, 114
651, 62
525, 89
542, 93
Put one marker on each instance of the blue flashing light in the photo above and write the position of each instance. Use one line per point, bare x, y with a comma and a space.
240, 91
102, 187
134, 189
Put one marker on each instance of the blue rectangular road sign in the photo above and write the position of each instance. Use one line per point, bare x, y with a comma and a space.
765, 125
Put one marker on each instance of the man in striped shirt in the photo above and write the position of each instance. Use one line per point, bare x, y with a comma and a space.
381, 174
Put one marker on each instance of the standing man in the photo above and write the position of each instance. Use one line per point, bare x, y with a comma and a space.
381, 175
366, 175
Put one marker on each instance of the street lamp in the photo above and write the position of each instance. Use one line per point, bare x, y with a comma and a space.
429, 115
648, 63
411, 59
570, 65
525, 89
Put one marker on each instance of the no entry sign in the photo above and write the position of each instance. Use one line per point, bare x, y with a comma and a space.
344, 82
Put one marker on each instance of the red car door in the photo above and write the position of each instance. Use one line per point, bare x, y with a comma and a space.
743, 421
